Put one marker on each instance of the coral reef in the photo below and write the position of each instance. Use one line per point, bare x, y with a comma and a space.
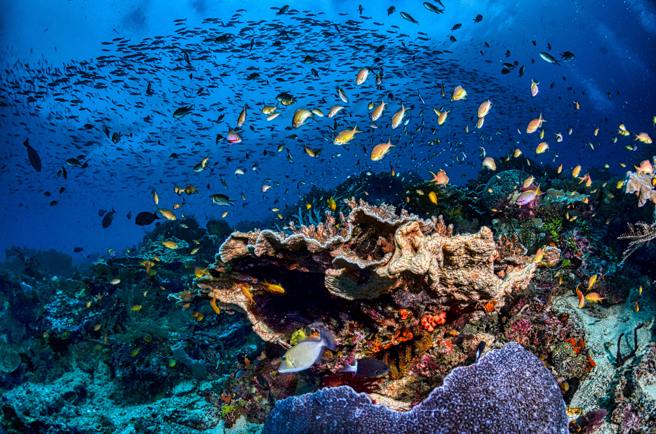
370, 253
508, 390
157, 329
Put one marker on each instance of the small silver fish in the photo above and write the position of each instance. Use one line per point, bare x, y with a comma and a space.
221, 199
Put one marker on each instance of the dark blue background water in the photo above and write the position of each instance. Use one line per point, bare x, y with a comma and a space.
613, 42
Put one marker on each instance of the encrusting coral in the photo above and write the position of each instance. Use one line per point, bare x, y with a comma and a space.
508, 390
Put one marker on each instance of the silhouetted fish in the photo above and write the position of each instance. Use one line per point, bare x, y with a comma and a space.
145, 218
108, 219
33, 156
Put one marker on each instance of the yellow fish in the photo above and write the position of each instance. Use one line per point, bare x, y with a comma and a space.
542, 148
381, 150
242, 117
432, 196
591, 281
489, 163
334, 110
576, 171
534, 88
332, 205
484, 108
300, 116
459, 93
621, 130
441, 116
170, 244
346, 136
274, 288
398, 117
168, 215
311, 152
155, 198
362, 76
534, 124
643, 138
378, 111
594, 297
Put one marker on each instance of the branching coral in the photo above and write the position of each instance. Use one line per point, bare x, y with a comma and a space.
638, 235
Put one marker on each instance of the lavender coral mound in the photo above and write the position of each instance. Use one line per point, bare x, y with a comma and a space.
507, 391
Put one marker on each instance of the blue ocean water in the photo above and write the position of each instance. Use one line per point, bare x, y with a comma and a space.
72, 70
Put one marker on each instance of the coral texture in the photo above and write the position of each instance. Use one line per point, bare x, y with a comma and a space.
640, 184
371, 252
508, 390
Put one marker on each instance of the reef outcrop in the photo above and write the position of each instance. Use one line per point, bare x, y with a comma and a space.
370, 253
389, 285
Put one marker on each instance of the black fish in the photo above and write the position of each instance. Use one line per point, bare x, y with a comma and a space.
567, 56
145, 218
479, 350
182, 111
431, 7
390, 10
368, 367
478, 18
108, 219
282, 10
78, 249
33, 156
406, 16
62, 172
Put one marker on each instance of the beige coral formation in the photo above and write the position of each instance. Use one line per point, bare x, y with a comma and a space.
371, 252
641, 183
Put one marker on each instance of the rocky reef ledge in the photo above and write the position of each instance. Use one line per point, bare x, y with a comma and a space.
388, 285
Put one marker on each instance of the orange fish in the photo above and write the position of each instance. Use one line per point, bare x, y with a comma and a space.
594, 297
535, 124
440, 178
581, 298
380, 150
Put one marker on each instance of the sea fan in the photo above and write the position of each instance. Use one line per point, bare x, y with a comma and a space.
638, 235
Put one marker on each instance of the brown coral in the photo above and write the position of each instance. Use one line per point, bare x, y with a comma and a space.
372, 252
640, 183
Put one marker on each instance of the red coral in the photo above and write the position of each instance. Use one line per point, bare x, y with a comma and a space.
430, 320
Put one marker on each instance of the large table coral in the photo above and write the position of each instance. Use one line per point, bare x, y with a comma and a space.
370, 253
507, 391
389, 285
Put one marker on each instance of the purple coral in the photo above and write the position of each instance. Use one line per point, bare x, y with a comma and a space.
508, 390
